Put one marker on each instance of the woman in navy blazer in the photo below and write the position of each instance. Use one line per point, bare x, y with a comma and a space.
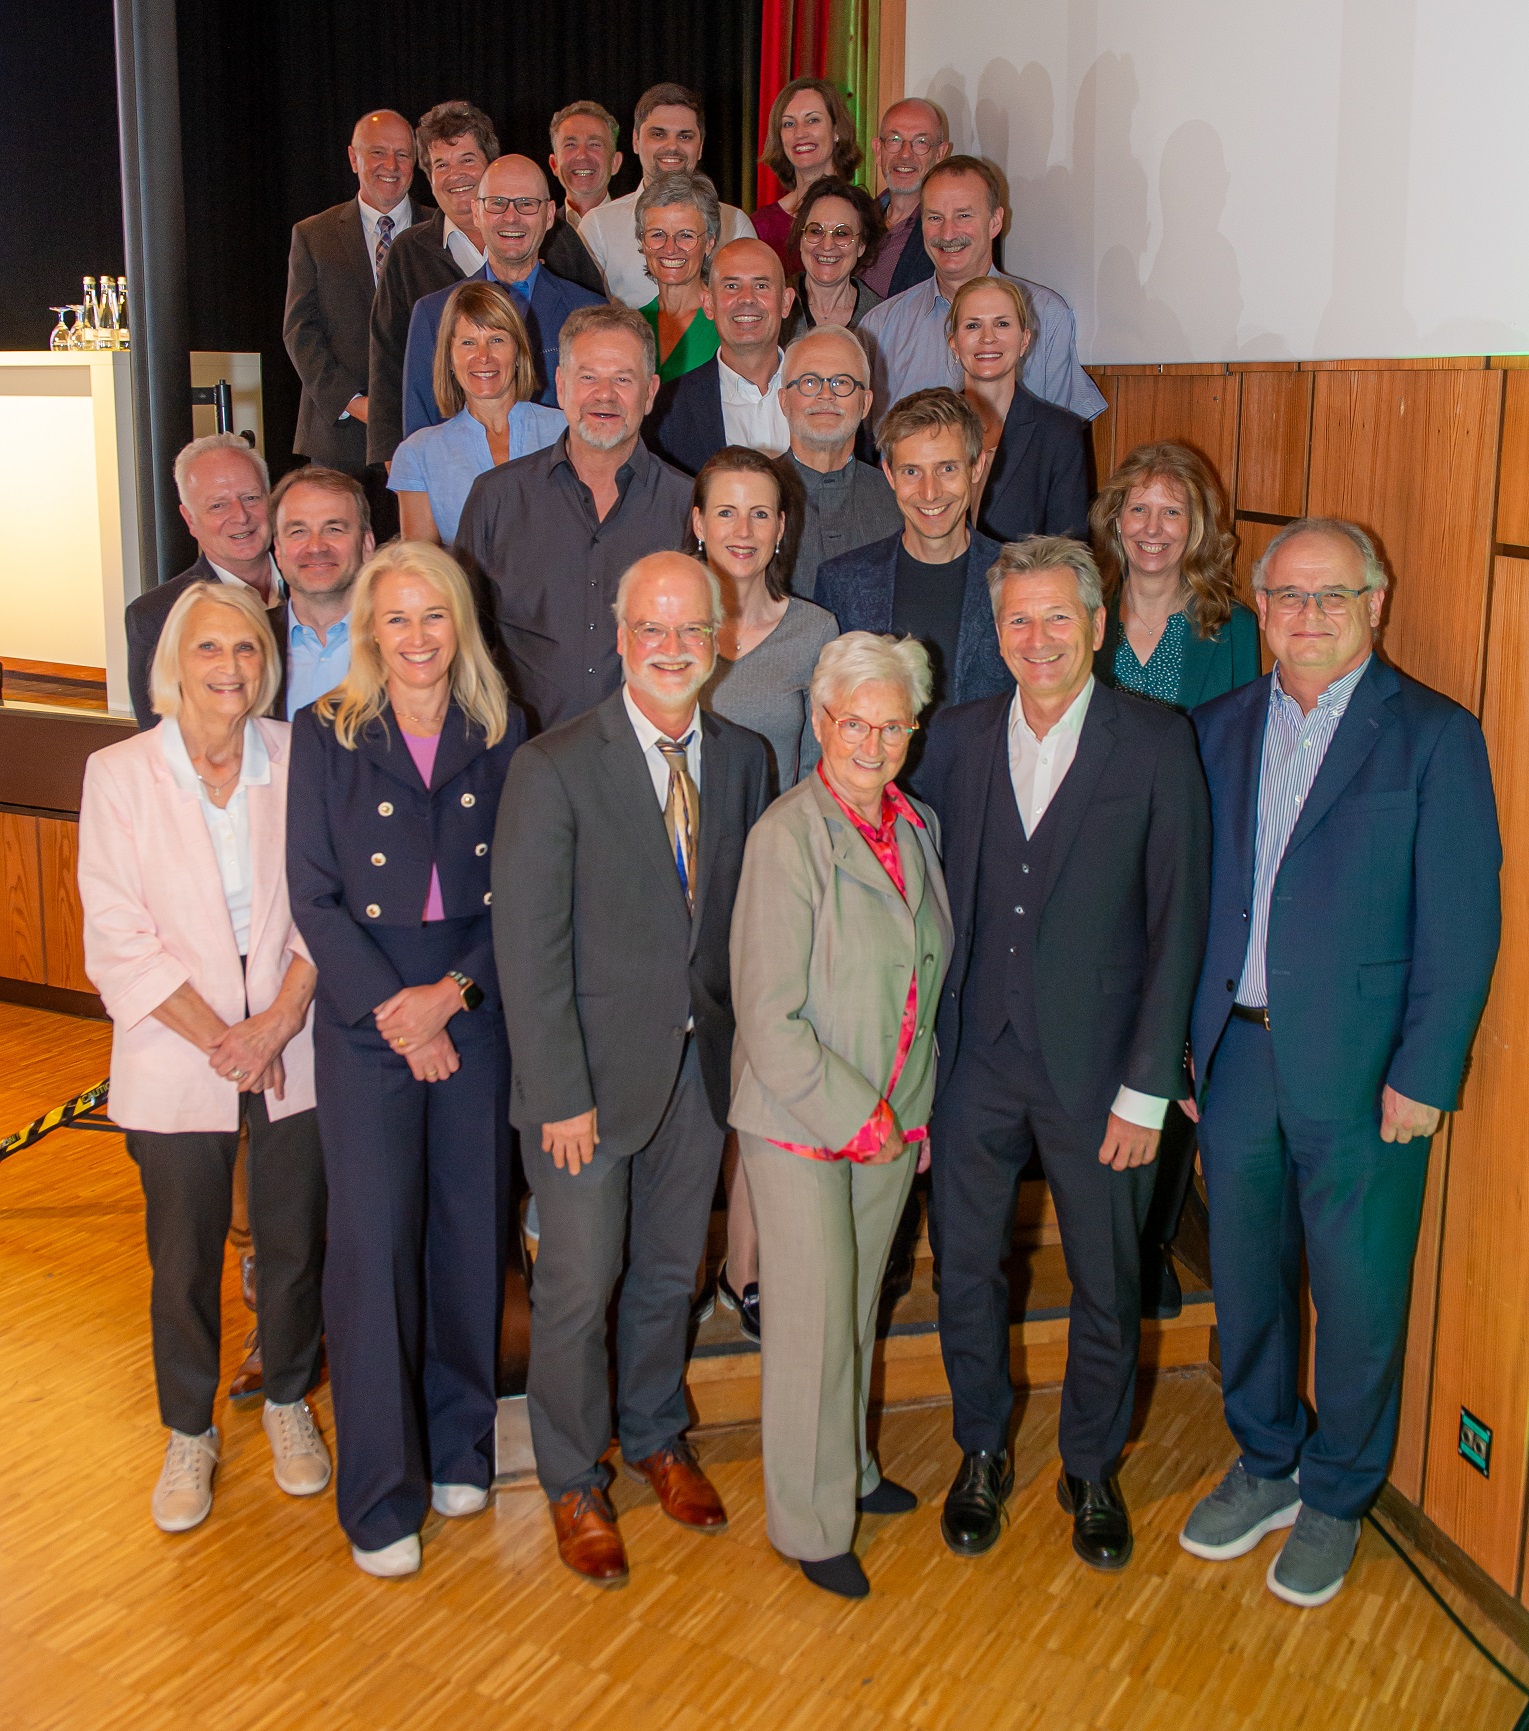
1036, 481
392, 799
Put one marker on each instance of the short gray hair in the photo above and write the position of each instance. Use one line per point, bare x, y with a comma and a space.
1339, 530
807, 336
165, 670
603, 318
199, 448
859, 657
624, 587
680, 188
1038, 553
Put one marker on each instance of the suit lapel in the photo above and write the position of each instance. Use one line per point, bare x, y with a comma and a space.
716, 771
1072, 799
876, 586
978, 631
459, 745
1365, 719
267, 828
1200, 655
353, 240
1245, 771
381, 744
623, 763
193, 845
1018, 433
963, 854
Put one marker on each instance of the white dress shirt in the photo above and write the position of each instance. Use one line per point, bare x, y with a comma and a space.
469, 259
753, 417
1037, 768
228, 827
402, 214
278, 592
648, 737
609, 231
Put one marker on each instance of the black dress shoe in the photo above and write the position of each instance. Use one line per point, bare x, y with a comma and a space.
1101, 1526
1161, 1295
841, 1575
974, 1513
887, 1499
746, 1303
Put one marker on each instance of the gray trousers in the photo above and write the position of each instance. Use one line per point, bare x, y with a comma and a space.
825, 1228
656, 1205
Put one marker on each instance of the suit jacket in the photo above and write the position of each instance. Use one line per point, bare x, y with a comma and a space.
685, 425
418, 263
600, 964
156, 919
552, 300
1122, 914
327, 331
363, 834
145, 619
1212, 665
566, 256
823, 948
1385, 918
914, 264
1038, 484
857, 589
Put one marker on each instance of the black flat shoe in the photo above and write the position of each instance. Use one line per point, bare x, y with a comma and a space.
974, 1513
746, 1303
841, 1575
1101, 1525
1161, 1295
887, 1499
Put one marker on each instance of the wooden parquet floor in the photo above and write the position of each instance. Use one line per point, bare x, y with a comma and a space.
259, 1619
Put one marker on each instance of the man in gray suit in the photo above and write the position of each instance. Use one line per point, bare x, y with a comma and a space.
616, 860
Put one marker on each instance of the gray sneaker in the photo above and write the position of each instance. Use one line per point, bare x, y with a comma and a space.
1236, 1515
1313, 1561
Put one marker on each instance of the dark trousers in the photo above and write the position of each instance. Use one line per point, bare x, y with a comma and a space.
1277, 1179
414, 1284
656, 1203
188, 1196
997, 1106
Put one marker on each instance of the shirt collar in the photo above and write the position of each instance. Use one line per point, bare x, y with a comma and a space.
1337, 695
636, 464
278, 582
1071, 721
399, 213
524, 289
737, 389
940, 300
297, 632
894, 805
254, 762
814, 480
648, 736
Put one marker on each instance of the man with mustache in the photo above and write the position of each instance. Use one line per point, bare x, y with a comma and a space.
323, 538
552, 532
513, 211
962, 213
734, 398
667, 133
616, 861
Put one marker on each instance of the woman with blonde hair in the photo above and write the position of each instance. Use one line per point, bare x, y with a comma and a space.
485, 388
395, 787
811, 134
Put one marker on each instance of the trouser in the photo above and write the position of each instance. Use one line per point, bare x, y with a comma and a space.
996, 1106
664, 1191
825, 1227
1276, 1180
187, 1181
240, 1237
1173, 1171
414, 1285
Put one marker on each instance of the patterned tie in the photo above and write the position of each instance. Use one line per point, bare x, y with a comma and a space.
682, 814
384, 241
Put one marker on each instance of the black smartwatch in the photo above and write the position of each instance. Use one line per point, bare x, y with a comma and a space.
472, 994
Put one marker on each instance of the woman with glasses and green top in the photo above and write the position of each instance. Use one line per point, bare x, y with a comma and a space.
678, 224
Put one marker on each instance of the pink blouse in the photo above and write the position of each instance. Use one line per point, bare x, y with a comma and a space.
423, 752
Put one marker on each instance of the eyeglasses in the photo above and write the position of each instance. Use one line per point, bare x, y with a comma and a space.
854, 731
920, 144
658, 240
1330, 601
840, 385
496, 206
653, 636
842, 233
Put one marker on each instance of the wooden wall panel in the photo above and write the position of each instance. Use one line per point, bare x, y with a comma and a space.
1482, 1353
62, 916
1407, 1468
1274, 442
1102, 427
1513, 471
1413, 457
1199, 408
21, 941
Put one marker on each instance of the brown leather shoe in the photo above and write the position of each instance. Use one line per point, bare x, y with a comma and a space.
247, 1280
684, 1491
587, 1539
249, 1378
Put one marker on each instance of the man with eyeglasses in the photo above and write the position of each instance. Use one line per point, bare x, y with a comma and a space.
514, 213
912, 138
825, 393
1354, 926
616, 863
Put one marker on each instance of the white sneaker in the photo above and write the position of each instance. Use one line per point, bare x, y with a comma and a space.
301, 1460
392, 1561
183, 1496
458, 1499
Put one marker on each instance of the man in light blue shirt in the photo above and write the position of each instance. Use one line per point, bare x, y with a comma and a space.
962, 216
323, 538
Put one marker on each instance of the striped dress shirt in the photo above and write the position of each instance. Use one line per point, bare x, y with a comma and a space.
1294, 746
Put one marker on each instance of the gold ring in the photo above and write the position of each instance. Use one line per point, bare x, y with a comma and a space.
237, 1075
400, 1042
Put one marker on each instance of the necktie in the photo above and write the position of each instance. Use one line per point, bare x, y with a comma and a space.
384, 240
682, 814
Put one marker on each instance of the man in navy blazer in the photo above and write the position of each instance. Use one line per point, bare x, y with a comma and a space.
1354, 925
514, 211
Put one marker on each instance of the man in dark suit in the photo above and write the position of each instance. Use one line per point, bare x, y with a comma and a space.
513, 212
1077, 857
225, 499
332, 273
616, 860
1354, 925
734, 398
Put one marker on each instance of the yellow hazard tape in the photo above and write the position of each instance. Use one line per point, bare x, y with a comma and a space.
58, 1119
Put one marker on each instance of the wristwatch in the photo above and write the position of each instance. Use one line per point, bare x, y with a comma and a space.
472, 995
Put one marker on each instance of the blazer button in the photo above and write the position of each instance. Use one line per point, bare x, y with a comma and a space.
1231, 985
379, 859
488, 899
373, 912
469, 799
385, 809
481, 849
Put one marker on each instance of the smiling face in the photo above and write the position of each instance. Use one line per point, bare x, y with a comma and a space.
861, 770
220, 667
1322, 646
989, 341
674, 244
584, 159
382, 158
667, 641
959, 228
747, 297
320, 544
1047, 636
669, 141
825, 422
228, 510
512, 237
456, 168
832, 244
908, 146
416, 636
741, 525
933, 479
807, 135
1154, 528
483, 362
606, 389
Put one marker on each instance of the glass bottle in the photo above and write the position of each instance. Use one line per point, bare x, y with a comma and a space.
109, 314
122, 335
89, 322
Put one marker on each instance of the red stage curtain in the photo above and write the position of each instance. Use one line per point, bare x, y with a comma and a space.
836, 40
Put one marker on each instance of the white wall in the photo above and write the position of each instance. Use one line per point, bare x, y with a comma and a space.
1253, 179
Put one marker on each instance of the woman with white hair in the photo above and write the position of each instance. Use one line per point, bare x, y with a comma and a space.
840, 940
190, 942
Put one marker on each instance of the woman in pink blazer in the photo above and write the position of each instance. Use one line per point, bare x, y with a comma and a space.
190, 942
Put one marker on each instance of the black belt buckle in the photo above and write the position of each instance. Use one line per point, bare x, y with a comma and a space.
1257, 1014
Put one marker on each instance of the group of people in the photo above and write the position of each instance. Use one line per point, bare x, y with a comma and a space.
727, 802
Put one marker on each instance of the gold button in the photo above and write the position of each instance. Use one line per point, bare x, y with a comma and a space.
379, 859
488, 899
469, 799
385, 809
373, 912
481, 849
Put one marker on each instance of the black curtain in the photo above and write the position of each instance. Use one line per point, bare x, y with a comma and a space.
269, 94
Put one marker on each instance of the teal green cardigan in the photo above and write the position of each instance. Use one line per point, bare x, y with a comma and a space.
1212, 665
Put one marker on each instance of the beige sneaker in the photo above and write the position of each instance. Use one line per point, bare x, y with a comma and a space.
392, 1561
301, 1460
183, 1496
